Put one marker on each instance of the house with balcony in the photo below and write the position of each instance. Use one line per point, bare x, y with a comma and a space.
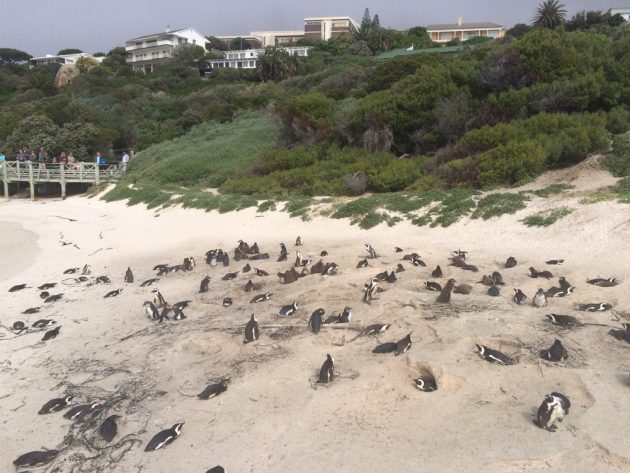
61, 59
624, 12
248, 58
327, 27
443, 33
146, 52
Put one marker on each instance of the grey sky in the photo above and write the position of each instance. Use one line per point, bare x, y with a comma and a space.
46, 26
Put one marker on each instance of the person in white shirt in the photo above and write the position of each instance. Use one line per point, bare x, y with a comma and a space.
124, 161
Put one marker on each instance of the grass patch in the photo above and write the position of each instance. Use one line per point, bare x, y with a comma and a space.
553, 189
546, 218
266, 206
494, 205
299, 207
457, 205
620, 193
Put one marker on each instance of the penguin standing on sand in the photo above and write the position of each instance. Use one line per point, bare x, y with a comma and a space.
553, 408
370, 290
163, 438
203, 287
158, 299
128, 276
437, 272
298, 241
315, 321
510, 262
445, 294
151, 311
555, 353
346, 315
252, 333
519, 297
540, 299
214, 390
371, 252
284, 254
108, 428
327, 372
55, 405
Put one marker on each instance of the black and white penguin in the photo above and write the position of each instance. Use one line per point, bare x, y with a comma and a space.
229, 276
102, 280
151, 311
203, 286
43, 323
182, 304
555, 353
315, 321
188, 264
346, 315
298, 241
566, 321
55, 405
109, 428
595, 307
539, 299
113, 293
623, 334
36, 458
555, 261
534, 273
54, 298
417, 261
227, 301
486, 280
288, 310
332, 319
17, 287
363, 263
437, 272
216, 469
327, 372
50, 334
214, 390
261, 272
48, 285
71, 270
44, 295
426, 383
400, 268
510, 262
18, 327
555, 292
460, 253
494, 356
565, 285
403, 345
398, 249
149, 282
284, 254
158, 298
375, 329
553, 408
77, 412
391, 278
371, 252
163, 438
161, 269
246, 269
128, 276
497, 278
519, 297
249, 286
494, 291
178, 313
462, 289
445, 293
261, 297
32, 310
252, 333
433, 286
370, 290
385, 348
603, 282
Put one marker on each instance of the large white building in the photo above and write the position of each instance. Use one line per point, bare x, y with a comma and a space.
624, 12
61, 59
148, 51
248, 58
444, 33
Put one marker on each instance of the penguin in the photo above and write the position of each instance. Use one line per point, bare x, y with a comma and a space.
246, 269
601, 282
54, 298
71, 270
486, 280
252, 333
178, 313
385, 348
203, 286
327, 372
214, 390
151, 310
565, 285
18, 327
298, 241
163, 438
540, 274
284, 254
211, 256
288, 310
416, 261
403, 345
370, 290
32, 310
77, 412
249, 286
494, 356
227, 301
494, 291
216, 469
161, 269
391, 278
261, 297
148, 282
48, 285
398, 250
375, 329
113, 293
158, 299
399, 268
553, 408
555, 353
50, 334
55, 405
497, 279
363, 263
254, 249
36, 458
226, 259
346, 315
315, 321
44, 295
510, 262
426, 383
595, 307
333, 319
461, 253
519, 297
623, 334
229, 276
87, 270
566, 321
371, 252
539, 300
17, 287
437, 272
555, 292
381, 276
102, 280
128, 276
433, 286
445, 294
189, 263
260, 272
457, 261
470, 267
555, 261
108, 428
323, 253
43, 323
462, 289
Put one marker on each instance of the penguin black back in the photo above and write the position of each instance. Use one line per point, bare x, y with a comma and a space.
327, 372
108, 428
252, 331
555, 353
315, 322
35, 458
164, 437
214, 390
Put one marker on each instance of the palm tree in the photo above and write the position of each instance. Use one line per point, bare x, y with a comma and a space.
549, 14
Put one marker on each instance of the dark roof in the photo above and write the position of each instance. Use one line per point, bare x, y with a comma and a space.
404, 52
465, 26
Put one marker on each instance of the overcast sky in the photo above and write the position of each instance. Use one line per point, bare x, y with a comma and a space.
45, 26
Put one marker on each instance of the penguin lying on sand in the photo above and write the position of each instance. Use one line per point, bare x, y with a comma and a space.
555, 353
494, 356
55, 405
36, 458
214, 390
163, 438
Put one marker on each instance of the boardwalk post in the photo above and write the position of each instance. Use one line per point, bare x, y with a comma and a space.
63, 181
81, 172
5, 180
97, 175
31, 180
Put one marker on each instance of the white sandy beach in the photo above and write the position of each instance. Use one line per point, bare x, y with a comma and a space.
274, 418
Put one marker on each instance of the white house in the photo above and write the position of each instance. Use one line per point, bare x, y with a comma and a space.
148, 51
248, 58
61, 59
464, 31
624, 12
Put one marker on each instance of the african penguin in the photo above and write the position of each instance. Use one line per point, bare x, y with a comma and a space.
623, 334
398, 250
54, 298
539, 299
437, 272
203, 287
128, 276
227, 301
555, 353
44, 295
216, 469
426, 383
399, 268
595, 307
148, 282
494, 356
510, 263
55, 405
555, 261
36, 458
327, 372
371, 252
113, 293
370, 290
246, 269
251, 330
77, 412
71, 270
519, 297
384, 348
48, 285
345, 315
403, 345
288, 310
17, 287
43, 323
260, 272
445, 293
494, 291
229, 276
214, 390
261, 297
564, 320
375, 329
284, 254
108, 428
603, 282
32, 310
315, 321
158, 299
433, 286
151, 310
18, 327
497, 278
178, 313
362, 264
540, 274
50, 334
163, 438
298, 241
553, 408
416, 261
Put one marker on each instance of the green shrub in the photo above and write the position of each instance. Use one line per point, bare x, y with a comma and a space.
618, 160
547, 217
512, 162
551, 190
495, 205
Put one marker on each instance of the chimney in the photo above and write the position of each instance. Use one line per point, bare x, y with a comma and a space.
460, 21
168, 28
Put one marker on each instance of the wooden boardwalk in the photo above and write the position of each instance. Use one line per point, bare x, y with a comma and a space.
34, 173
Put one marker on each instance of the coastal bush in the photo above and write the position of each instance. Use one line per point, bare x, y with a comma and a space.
551, 190
495, 205
618, 160
547, 217
512, 162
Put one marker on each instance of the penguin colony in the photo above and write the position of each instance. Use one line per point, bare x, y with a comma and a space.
554, 407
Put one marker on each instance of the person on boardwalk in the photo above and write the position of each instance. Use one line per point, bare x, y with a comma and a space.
124, 161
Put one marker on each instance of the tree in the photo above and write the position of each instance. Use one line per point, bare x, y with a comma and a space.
238, 44
215, 43
69, 51
518, 30
419, 37
549, 14
363, 33
276, 64
12, 56
188, 55
86, 63
99, 54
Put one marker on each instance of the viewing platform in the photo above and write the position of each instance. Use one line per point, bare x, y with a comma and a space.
35, 173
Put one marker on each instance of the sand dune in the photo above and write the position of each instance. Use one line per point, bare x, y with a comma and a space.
274, 416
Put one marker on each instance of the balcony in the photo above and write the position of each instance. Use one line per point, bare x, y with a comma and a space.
133, 46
